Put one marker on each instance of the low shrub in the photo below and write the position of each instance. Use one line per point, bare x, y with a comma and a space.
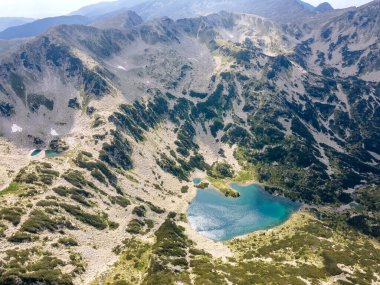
135, 226
68, 241
20, 237
93, 220
12, 215
139, 211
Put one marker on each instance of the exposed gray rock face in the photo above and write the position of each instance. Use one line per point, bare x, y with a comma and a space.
328, 41
50, 79
347, 44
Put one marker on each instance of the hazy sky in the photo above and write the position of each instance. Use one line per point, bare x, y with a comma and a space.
41, 8
338, 3
46, 8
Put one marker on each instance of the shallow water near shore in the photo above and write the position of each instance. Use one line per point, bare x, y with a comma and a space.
36, 152
220, 218
51, 153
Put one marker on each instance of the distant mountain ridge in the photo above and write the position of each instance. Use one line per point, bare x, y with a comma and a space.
7, 22
105, 7
176, 9
40, 26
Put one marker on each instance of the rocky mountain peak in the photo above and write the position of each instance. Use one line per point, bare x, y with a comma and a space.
324, 7
118, 20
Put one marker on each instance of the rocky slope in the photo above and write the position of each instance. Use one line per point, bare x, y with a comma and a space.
136, 112
328, 40
118, 20
346, 45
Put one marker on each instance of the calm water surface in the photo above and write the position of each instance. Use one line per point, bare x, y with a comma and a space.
220, 218
36, 152
48, 153
51, 153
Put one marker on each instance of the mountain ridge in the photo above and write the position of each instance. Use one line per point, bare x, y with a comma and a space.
118, 20
134, 113
39, 26
153, 9
7, 22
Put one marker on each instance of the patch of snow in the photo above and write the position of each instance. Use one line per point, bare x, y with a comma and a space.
53, 132
16, 129
121, 67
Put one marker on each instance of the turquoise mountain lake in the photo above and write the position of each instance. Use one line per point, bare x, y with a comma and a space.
51, 153
220, 218
36, 152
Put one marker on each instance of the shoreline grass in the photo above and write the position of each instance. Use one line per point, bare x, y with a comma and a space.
244, 176
13, 188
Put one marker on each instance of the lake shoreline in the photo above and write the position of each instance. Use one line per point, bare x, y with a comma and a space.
221, 219
258, 232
